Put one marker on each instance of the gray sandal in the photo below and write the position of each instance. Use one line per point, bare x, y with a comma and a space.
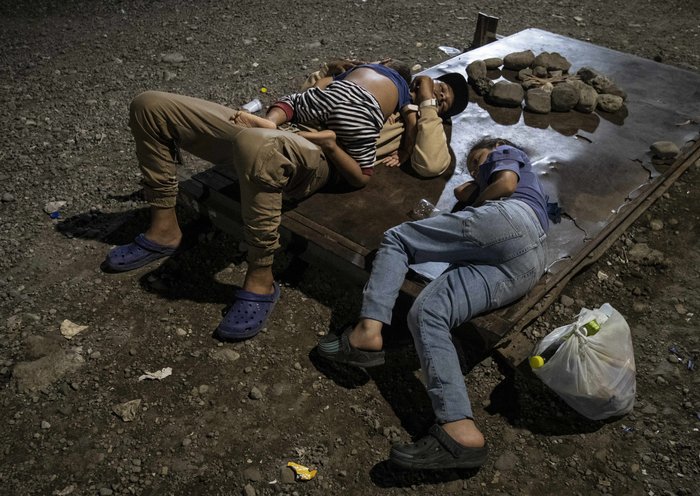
437, 451
337, 348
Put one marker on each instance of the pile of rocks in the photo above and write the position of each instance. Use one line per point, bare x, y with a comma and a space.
545, 84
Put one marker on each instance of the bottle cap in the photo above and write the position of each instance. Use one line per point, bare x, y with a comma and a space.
536, 361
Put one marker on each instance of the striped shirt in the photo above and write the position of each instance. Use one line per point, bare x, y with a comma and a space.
349, 110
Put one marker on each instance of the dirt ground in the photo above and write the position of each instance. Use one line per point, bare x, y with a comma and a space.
231, 416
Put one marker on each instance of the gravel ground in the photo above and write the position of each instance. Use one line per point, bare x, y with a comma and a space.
231, 416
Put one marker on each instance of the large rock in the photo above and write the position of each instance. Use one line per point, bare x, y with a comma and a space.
482, 86
552, 61
538, 100
507, 94
565, 96
524, 74
476, 70
643, 254
29, 377
493, 63
518, 60
604, 85
587, 73
587, 97
609, 103
664, 149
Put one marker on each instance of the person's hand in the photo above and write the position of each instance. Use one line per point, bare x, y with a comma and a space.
394, 159
422, 88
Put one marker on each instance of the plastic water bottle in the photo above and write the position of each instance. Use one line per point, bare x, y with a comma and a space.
424, 209
253, 106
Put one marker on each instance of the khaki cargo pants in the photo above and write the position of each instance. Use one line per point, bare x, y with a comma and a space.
269, 163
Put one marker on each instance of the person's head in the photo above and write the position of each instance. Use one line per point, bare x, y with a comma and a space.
480, 152
452, 94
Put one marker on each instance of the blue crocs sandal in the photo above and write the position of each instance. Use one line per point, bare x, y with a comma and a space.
247, 315
135, 255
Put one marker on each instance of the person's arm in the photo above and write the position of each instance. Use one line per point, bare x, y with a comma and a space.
467, 192
503, 184
347, 167
430, 154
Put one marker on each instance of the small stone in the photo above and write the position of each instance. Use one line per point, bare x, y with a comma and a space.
476, 70
287, 475
524, 73
255, 393
552, 62
506, 94
656, 224
588, 97
164, 470
70, 329
54, 206
252, 474
604, 85
127, 411
539, 71
186, 442
105, 491
45, 425
538, 101
203, 389
506, 462
416, 68
249, 490
567, 301
180, 332
644, 255
586, 74
518, 60
493, 63
609, 103
8, 197
482, 86
565, 96
664, 149
172, 58
297, 366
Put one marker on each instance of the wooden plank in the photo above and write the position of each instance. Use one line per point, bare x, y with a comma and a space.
485, 32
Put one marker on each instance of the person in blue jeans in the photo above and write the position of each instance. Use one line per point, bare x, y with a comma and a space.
495, 248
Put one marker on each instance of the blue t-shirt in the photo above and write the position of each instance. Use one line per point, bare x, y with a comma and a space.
399, 82
528, 190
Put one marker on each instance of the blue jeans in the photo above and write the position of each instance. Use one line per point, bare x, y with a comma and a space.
496, 254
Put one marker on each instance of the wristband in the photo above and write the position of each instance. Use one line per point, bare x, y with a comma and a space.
428, 103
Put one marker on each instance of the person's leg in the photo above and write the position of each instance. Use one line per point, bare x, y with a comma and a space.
437, 238
456, 296
268, 163
162, 125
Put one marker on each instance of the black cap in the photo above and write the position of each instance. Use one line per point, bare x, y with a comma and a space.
461, 92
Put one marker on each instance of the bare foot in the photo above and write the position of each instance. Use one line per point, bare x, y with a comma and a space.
465, 432
367, 335
246, 119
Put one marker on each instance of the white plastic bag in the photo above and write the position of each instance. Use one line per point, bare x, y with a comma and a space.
594, 374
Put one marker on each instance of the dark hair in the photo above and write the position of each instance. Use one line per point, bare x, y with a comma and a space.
490, 143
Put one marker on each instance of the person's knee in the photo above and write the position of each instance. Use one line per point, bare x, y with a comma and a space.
146, 102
